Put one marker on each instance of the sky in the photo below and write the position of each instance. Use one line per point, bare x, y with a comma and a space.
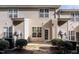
35, 2
66, 4
69, 7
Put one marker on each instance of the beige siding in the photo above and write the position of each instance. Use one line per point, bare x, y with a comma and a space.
35, 21
33, 14
19, 28
4, 21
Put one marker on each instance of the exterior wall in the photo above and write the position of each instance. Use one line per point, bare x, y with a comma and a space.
19, 28
77, 29
5, 21
69, 25
34, 21
33, 13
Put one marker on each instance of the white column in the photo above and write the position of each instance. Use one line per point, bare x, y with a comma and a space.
26, 28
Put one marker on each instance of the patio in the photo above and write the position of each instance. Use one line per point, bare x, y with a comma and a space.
38, 48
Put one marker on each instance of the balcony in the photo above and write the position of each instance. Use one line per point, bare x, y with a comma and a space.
17, 19
64, 17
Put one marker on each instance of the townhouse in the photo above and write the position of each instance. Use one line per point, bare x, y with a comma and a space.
39, 22
34, 22
68, 23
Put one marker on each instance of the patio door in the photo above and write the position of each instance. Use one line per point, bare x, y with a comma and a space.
8, 32
46, 34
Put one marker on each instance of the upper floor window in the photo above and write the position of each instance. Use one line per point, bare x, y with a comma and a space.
13, 13
75, 16
44, 13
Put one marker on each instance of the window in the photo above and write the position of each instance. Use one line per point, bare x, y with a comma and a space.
8, 32
36, 31
33, 31
44, 13
71, 35
5, 32
13, 13
76, 16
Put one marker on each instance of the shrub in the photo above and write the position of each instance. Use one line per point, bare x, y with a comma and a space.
68, 45
21, 42
11, 42
4, 44
65, 46
58, 42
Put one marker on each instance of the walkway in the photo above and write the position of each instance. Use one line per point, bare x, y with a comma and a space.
39, 48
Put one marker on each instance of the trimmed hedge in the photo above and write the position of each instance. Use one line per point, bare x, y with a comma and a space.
4, 44
21, 42
65, 46
11, 42
58, 42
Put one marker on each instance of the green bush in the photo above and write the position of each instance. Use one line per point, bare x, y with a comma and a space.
11, 42
58, 42
65, 46
21, 42
4, 44
68, 45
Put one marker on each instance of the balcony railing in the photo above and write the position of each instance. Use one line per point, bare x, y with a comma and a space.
17, 19
65, 16
68, 17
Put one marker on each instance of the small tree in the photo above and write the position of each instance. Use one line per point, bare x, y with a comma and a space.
20, 43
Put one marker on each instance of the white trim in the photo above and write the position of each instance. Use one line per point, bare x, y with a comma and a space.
26, 28
13, 29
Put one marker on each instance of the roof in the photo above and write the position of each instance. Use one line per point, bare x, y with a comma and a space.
29, 6
69, 7
68, 10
